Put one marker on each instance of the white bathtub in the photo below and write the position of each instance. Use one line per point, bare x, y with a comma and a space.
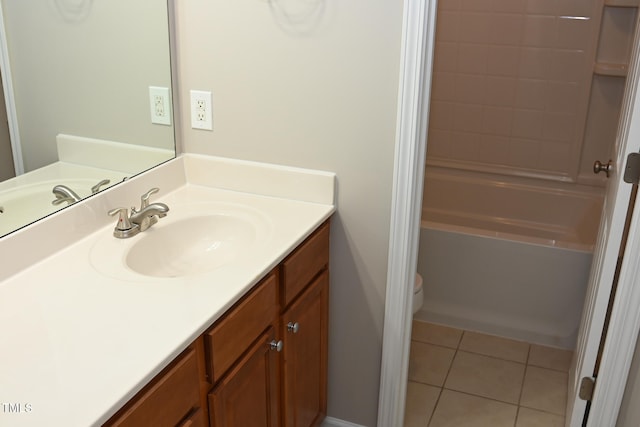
506, 258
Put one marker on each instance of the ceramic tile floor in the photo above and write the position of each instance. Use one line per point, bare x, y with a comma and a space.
467, 379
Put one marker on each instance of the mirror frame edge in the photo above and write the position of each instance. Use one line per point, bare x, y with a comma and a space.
9, 99
175, 85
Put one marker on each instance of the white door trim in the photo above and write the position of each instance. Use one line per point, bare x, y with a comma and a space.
413, 111
621, 338
414, 91
624, 323
9, 99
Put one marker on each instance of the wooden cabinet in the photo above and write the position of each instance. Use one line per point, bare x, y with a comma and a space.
305, 356
242, 351
299, 268
232, 335
197, 419
262, 364
305, 304
171, 399
249, 395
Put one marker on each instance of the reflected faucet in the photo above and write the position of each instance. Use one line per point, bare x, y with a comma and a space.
64, 194
96, 187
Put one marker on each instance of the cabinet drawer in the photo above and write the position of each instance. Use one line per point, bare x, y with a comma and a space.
168, 398
235, 332
303, 265
195, 420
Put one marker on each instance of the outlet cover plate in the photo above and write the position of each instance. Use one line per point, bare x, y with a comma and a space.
201, 110
160, 105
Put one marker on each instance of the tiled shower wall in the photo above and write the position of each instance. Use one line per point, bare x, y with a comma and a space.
512, 87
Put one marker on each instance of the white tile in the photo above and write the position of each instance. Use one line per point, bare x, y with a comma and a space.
486, 377
436, 334
532, 418
551, 358
462, 410
545, 390
429, 364
420, 403
499, 347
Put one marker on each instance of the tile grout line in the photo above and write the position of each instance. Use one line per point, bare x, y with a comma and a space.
455, 352
524, 375
435, 406
493, 399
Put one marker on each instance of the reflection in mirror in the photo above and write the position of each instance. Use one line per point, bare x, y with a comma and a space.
87, 86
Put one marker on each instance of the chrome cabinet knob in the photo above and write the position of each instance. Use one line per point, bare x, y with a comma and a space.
293, 327
598, 167
276, 345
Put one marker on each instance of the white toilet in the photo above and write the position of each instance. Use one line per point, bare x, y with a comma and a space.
417, 294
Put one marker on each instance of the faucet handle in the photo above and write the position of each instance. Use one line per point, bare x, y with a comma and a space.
144, 200
123, 228
123, 218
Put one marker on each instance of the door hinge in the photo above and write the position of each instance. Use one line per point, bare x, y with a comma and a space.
632, 169
587, 384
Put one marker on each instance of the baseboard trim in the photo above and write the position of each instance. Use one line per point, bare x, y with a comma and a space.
334, 422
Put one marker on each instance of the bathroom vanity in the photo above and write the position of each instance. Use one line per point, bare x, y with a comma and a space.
95, 334
264, 360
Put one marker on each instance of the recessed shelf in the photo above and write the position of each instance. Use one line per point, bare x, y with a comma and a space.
608, 69
621, 3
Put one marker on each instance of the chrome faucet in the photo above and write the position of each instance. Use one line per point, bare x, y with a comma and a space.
96, 187
64, 194
139, 220
149, 215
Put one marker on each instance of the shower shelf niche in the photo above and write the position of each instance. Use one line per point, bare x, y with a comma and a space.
621, 3
617, 26
609, 69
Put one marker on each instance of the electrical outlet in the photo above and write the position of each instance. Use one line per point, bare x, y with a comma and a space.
160, 104
201, 110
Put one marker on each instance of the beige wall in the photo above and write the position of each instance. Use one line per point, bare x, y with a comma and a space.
319, 94
88, 77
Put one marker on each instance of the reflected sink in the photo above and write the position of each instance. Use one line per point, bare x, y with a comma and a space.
26, 203
191, 245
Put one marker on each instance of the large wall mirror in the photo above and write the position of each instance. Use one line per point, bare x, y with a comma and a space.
87, 91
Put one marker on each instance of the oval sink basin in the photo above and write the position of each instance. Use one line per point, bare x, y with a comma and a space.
193, 239
190, 246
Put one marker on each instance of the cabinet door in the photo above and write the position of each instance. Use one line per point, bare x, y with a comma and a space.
167, 399
248, 395
305, 356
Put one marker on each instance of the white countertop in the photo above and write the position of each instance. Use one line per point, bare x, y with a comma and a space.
77, 342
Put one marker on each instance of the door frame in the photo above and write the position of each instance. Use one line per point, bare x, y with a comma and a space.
9, 99
418, 36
